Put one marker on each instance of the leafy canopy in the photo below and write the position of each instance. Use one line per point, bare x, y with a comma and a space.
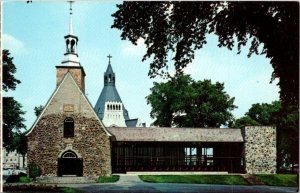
12, 121
12, 109
9, 81
38, 110
263, 114
181, 27
183, 102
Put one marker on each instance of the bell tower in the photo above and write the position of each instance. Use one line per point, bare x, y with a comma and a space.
70, 62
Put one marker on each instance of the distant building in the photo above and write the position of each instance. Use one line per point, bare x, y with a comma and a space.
110, 108
13, 160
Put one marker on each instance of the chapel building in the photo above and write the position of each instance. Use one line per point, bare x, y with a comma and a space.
70, 137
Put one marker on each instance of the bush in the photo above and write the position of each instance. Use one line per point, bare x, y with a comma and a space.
17, 178
108, 179
24, 179
34, 170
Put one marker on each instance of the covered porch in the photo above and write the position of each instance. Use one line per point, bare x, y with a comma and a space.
177, 149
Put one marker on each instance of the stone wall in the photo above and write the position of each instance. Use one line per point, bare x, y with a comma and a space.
260, 149
90, 142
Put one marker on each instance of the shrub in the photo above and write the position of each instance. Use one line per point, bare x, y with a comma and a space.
24, 179
17, 178
108, 179
34, 170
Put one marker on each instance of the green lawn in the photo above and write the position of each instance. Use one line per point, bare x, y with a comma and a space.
108, 179
70, 190
278, 179
195, 179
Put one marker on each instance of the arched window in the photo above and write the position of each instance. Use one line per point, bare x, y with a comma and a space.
107, 107
69, 127
69, 154
72, 46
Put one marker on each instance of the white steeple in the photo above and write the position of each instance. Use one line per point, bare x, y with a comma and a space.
70, 20
71, 56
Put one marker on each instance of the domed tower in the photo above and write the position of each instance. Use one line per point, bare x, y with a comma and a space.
109, 107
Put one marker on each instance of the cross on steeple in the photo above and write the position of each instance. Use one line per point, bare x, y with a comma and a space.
109, 57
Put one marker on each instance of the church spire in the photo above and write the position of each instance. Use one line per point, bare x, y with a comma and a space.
71, 40
70, 62
109, 75
70, 20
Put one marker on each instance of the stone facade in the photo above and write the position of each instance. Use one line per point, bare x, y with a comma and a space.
91, 141
260, 149
46, 144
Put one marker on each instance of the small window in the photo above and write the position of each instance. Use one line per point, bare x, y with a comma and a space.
69, 127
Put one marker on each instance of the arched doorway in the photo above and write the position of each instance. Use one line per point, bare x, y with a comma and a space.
70, 164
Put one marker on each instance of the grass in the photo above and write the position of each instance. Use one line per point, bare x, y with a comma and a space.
278, 179
24, 179
70, 190
108, 179
195, 179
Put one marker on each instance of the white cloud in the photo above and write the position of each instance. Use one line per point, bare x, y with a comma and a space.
12, 44
130, 49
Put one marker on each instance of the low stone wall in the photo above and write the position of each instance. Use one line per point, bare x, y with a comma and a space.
260, 149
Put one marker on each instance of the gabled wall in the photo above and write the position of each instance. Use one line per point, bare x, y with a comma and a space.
91, 141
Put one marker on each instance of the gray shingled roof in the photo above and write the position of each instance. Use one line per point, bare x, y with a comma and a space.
108, 93
164, 134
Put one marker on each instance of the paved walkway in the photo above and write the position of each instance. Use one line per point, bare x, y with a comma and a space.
132, 183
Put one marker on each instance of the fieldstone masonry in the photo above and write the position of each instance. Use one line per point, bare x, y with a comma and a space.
260, 149
91, 141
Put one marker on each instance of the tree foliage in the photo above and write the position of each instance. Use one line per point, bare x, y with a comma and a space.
9, 69
38, 110
12, 109
263, 114
12, 121
183, 102
20, 144
181, 27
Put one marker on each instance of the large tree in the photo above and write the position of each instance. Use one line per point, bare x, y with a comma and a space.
260, 114
183, 102
12, 109
181, 27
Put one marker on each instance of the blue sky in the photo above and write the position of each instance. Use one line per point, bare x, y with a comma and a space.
34, 35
